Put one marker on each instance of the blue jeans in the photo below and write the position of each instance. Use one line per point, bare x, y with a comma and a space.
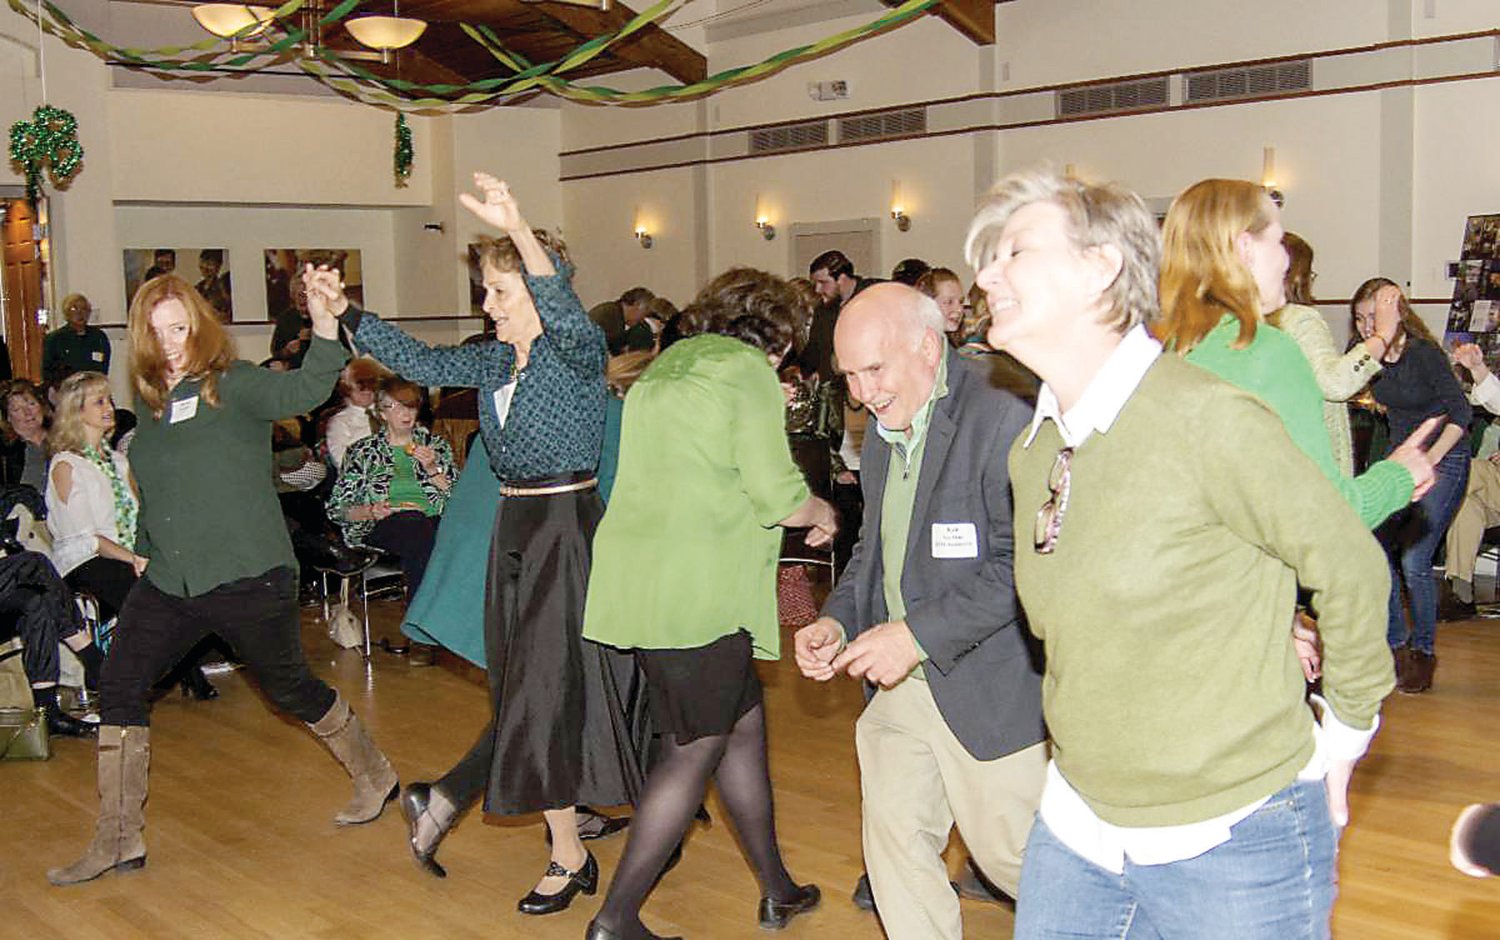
1273, 880
1411, 538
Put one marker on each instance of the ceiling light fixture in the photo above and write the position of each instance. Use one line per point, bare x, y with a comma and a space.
385, 33
601, 5
233, 21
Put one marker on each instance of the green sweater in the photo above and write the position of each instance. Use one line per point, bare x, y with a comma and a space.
1273, 367
1172, 690
209, 513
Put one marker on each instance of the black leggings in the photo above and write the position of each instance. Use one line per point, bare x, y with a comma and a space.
258, 617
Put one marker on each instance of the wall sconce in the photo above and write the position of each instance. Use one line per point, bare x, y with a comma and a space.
898, 208
1268, 176
763, 221
643, 236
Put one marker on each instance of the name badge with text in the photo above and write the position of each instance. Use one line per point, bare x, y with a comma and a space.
97, 356
955, 540
183, 409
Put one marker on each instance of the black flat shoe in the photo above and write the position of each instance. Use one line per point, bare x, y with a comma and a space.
414, 802
195, 685
597, 932
595, 825
585, 880
62, 724
775, 914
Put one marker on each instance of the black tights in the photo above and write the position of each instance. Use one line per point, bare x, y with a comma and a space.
674, 791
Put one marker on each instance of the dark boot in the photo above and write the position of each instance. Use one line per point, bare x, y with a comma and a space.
375, 782
119, 843
60, 722
1419, 670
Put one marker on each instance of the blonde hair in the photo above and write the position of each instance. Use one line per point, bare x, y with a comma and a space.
67, 433
1202, 276
622, 370
210, 350
1098, 214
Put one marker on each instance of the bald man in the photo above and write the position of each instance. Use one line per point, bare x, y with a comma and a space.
926, 613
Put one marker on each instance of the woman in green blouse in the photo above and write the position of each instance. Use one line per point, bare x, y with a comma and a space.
685, 571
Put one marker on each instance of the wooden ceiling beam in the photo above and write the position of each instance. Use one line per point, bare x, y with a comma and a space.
652, 47
974, 18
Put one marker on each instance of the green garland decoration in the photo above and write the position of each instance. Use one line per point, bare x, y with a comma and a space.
351, 80
48, 141
404, 151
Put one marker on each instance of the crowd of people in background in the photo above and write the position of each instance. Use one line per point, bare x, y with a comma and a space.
1125, 754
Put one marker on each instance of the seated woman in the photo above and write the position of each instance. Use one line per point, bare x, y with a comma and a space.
23, 424
393, 484
92, 506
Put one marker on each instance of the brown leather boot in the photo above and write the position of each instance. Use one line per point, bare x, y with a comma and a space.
1418, 678
375, 781
124, 760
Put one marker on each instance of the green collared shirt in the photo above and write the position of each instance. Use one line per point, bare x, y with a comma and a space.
901, 479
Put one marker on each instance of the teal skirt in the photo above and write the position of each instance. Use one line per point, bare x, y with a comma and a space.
448, 609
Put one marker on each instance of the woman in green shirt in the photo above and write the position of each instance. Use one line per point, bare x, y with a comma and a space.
393, 485
684, 574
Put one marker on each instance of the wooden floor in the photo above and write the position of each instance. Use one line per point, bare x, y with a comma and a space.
242, 842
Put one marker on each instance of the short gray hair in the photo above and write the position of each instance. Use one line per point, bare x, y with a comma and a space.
1098, 214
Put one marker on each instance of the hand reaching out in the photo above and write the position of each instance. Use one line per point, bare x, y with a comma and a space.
497, 207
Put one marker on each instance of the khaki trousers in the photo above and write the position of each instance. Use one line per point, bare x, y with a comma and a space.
917, 781
1480, 510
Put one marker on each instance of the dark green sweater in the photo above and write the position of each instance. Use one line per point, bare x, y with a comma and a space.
209, 513
1172, 690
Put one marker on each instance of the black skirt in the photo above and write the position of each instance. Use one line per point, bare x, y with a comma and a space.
568, 724
701, 692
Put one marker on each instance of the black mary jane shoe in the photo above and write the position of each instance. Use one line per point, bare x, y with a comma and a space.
775, 914
414, 802
597, 931
585, 880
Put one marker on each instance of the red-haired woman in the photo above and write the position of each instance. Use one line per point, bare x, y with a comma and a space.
217, 553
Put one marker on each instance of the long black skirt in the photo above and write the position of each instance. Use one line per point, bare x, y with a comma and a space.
569, 717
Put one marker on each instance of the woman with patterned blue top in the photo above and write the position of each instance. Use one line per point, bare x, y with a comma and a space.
558, 735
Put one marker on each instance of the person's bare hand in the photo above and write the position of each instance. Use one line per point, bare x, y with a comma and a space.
825, 524
1471, 357
1412, 454
1388, 312
1337, 784
495, 205
816, 645
1305, 640
425, 456
884, 654
139, 563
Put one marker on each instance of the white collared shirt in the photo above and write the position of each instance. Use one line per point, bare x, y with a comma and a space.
1071, 819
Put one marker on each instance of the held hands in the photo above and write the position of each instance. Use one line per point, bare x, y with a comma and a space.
498, 207
1471, 357
1412, 454
884, 655
326, 300
816, 645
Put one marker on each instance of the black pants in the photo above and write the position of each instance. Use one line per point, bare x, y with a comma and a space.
107, 579
257, 616
849, 503
43, 611
410, 537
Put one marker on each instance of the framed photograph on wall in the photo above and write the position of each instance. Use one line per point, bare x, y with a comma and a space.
207, 269
286, 302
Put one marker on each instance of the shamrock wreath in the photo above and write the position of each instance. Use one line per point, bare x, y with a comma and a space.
50, 140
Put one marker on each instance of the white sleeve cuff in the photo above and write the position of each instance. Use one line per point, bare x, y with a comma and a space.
1487, 394
1341, 742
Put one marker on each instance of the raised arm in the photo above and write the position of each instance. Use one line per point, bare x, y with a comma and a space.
1340, 376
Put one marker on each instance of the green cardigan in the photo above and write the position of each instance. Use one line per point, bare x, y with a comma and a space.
1172, 690
1273, 368
209, 512
686, 553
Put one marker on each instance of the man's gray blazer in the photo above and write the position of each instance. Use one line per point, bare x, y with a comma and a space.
962, 610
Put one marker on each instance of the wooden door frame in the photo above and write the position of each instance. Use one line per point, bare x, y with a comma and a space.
30, 367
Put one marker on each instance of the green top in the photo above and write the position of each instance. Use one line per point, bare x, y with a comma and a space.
1273, 368
65, 352
686, 553
405, 491
209, 513
1172, 690
901, 478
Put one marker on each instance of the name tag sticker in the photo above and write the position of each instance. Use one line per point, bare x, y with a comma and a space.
955, 540
183, 409
97, 356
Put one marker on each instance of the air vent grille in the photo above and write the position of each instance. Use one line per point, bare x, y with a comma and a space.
1255, 81
1114, 98
789, 137
882, 125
